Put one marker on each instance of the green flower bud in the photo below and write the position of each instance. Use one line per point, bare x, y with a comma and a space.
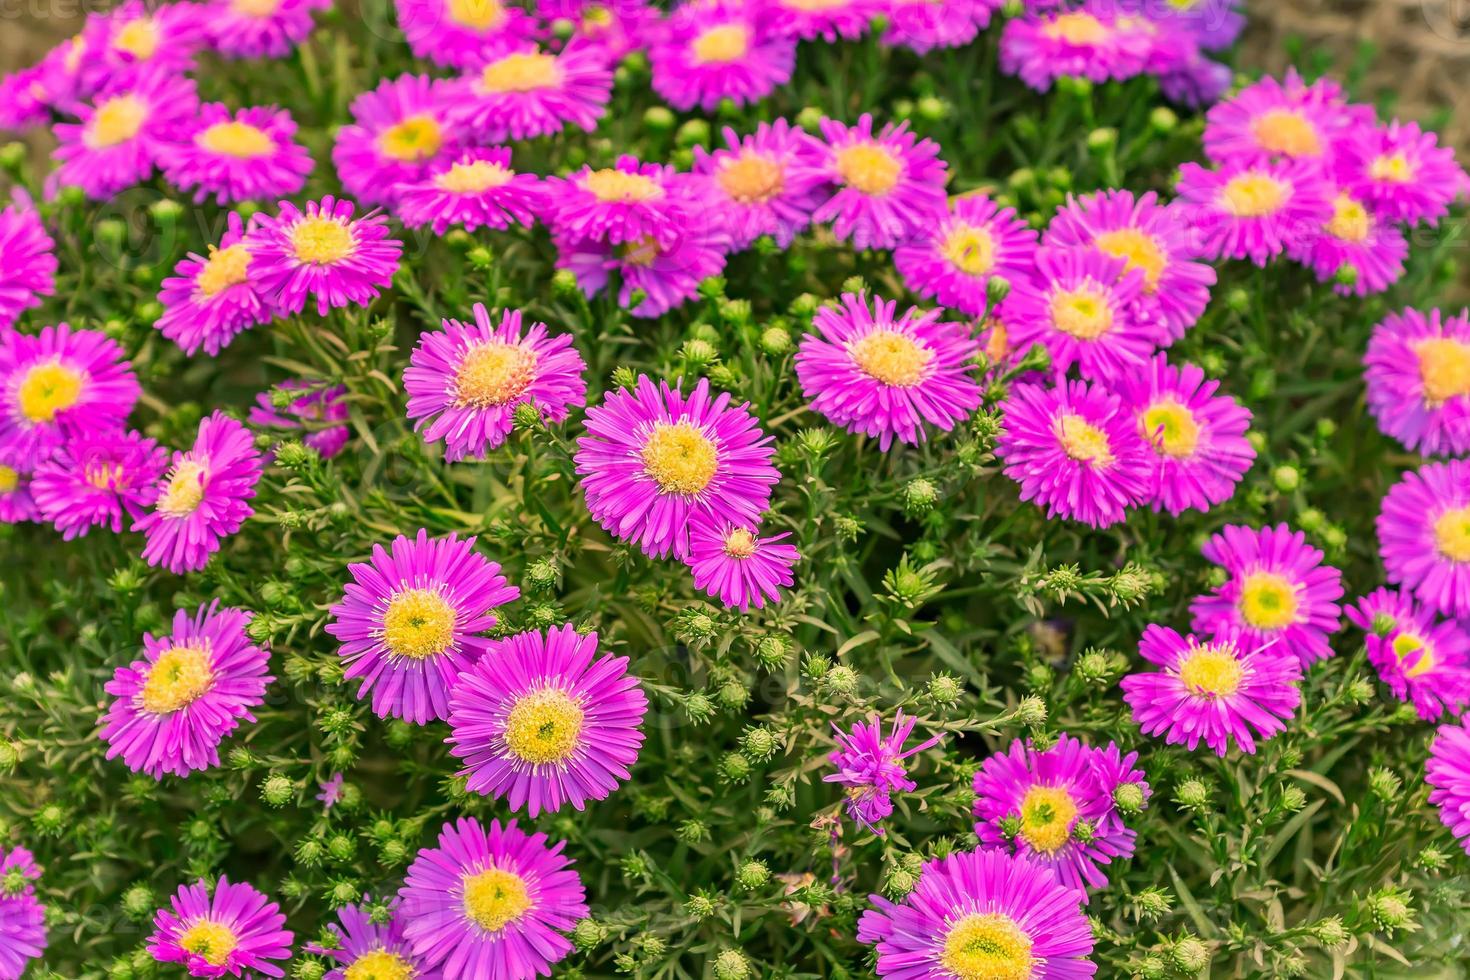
1031, 711
12, 157
393, 853
931, 109
1153, 903
841, 679
692, 831
775, 340
772, 652
309, 970
564, 285
699, 707
343, 893
1192, 794
526, 417
50, 820
733, 694
944, 689
1331, 933
1129, 799
1149, 967
1190, 954
310, 852
137, 902
1293, 799
1384, 784
1102, 139
760, 743
731, 965
1163, 120
658, 119
1390, 909
277, 790
1286, 478
342, 847
700, 906
694, 132
588, 934
734, 768
752, 875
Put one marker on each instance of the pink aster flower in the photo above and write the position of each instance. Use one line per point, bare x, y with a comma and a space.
1400, 171
1149, 237
320, 415
654, 458
737, 566
96, 478
193, 687
1279, 593
1212, 24
890, 184
331, 791
1091, 41
213, 298
1076, 450
60, 383
763, 182
1252, 211
244, 155
27, 260
23, 100
924, 25
1198, 438
137, 39
1280, 120
464, 382
477, 188
399, 130
829, 20
16, 503
204, 497
1082, 306
885, 376
1418, 379
981, 913
1423, 662
1447, 772
1228, 688
1353, 249
463, 33
121, 135
22, 916
664, 273
541, 721
976, 242
367, 950
710, 51
1424, 536
871, 767
615, 29
1195, 80
627, 203
1037, 803
58, 83
491, 902
259, 28
529, 92
407, 622
236, 930
321, 252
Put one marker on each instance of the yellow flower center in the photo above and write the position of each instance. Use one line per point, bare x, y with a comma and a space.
969, 249
1393, 168
415, 138
595, 17
523, 71
814, 5
479, 15
868, 167
138, 38
493, 373
214, 941
998, 344
1076, 28
418, 623
642, 252
320, 240
723, 44
611, 185
1452, 534
1268, 601
179, 677
1286, 132
224, 268
185, 489
1444, 366
892, 358
118, 120
493, 898
751, 178
474, 178
236, 139
1213, 670
1172, 428
255, 8
48, 388
1350, 221
987, 946
1407, 643
544, 727
9, 479
1084, 441
1085, 312
740, 543
1254, 195
105, 476
1139, 250
680, 458
379, 964
1047, 815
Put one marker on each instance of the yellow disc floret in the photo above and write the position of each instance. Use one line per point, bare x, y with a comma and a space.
418, 623
611, 185
180, 676
379, 964
740, 543
1212, 670
869, 168
1444, 367
1084, 312
892, 358
185, 489
322, 240
1077, 28
1268, 601
1047, 815
721, 45
474, 178
236, 139
1084, 441
1392, 168
48, 388
479, 15
493, 373
969, 249
139, 38
544, 727
1350, 221
680, 458
224, 268
9, 479
494, 898
1286, 132
117, 120
987, 946
1172, 428
751, 178
413, 139
214, 941
522, 71
1139, 249
256, 8
1254, 195
1406, 645
1452, 534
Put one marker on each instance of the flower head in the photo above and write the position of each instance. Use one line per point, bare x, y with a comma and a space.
625, 204
1252, 211
709, 51
476, 188
734, 564
22, 916
924, 25
615, 28
1423, 661
976, 242
259, 28
27, 260
1424, 536
321, 252
231, 156
530, 92
136, 40
1400, 171
59, 383
1091, 41
463, 33
236, 930
1081, 305
399, 131
213, 298
763, 182
16, 503
1448, 774
1418, 379
871, 766
122, 134
322, 412
808, 20
369, 950
96, 478
664, 274
1280, 120
1352, 242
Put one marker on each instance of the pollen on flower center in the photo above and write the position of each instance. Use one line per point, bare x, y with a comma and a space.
9, 479
987, 946
139, 38
474, 178
1254, 195
1406, 644
322, 240
379, 964
1444, 367
679, 458
493, 373
814, 5
751, 178
1350, 221
185, 489
1287, 132
1268, 600
413, 139
255, 8
1084, 312
892, 358
1213, 670
418, 623
495, 898
544, 727
1076, 27
611, 185
1172, 428
117, 120
105, 476
1393, 168
224, 268
1139, 250
523, 71
1083, 441
869, 168
236, 139
642, 252
1047, 815
212, 941
479, 15
722, 44
740, 543
48, 388
969, 249
1452, 534
180, 676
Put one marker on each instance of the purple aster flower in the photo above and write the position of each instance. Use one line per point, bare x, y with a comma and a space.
331, 791
1053, 806
203, 498
709, 51
1116, 771
1212, 24
1149, 237
244, 155
1198, 438
1081, 305
981, 913
407, 622
1423, 662
976, 242
654, 458
541, 721
259, 28
321, 252
1076, 450
890, 184
366, 950
1195, 80
734, 564
399, 130
1280, 120
664, 273
1091, 41
1279, 593
27, 260
193, 687
615, 28
491, 902
923, 25
626, 203
59, 82
23, 100
477, 188
885, 376
1424, 536
464, 382
870, 765
1355, 250
829, 20
238, 929
1418, 379
1229, 688
22, 916
322, 412
1245, 211
215, 297
137, 39
763, 182
60, 383
1447, 773
16, 503
1400, 171
463, 33
96, 478
529, 92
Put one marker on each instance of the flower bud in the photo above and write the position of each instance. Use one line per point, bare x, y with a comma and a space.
1286, 478
1129, 799
760, 743
944, 689
775, 340
919, 495
1330, 932
752, 875
1192, 794
1152, 903
771, 652
137, 902
841, 680
588, 934
734, 768
731, 965
1390, 909
277, 790
700, 906
1190, 955
1163, 120
1384, 784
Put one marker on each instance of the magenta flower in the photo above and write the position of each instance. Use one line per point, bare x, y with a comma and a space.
613, 29
763, 182
60, 383
463, 33
710, 51
331, 791
1418, 379
1252, 211
924, 25
215, 297
664, 273
23, 99
239, 929
22, 916
1424, 536
871, 767
137, 40
978, 241
259, 28
366, 950
1195, 80
399, 130
96, 478
407, 622
320, 415
477, 188
1281, 120
1399, 171
246, 155
1447, 773
121, 135
1424, 662
322, 253
829, 20
529, 92
734, 564
16, 504
1353, 249
1091, 41
1081, 305
27, 260
627, 203
193, 687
